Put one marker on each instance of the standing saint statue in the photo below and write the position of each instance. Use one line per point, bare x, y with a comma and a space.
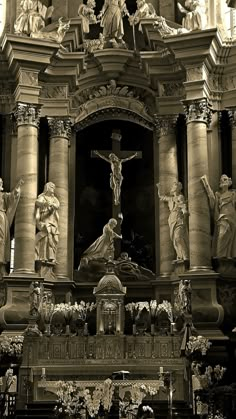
8, 205
177, 219
223, 205
47, 219
103, 247
116, 177
111, 16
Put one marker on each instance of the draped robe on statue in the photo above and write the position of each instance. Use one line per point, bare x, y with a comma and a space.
103, 247
8, 204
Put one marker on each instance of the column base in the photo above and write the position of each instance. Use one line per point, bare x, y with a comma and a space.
207, 313
14, 314
201, 269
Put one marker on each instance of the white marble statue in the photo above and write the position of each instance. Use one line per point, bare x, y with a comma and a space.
103, 247
8, 205
86, 12
111, 17
56, 35
195, 15
144, 11
47, 219
223, 205
32, 17
116, 177
177, 220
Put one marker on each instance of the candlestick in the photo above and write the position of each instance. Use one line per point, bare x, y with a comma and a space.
43, 371
161, 370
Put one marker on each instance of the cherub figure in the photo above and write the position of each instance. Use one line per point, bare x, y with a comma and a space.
195, 15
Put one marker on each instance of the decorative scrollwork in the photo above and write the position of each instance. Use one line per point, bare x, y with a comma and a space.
27, 113
198, 111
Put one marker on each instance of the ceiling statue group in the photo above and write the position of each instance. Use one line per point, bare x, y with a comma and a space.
33, 17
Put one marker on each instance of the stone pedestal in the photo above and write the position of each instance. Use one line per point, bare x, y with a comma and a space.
60, 131
168, 174
27, 117
198, 117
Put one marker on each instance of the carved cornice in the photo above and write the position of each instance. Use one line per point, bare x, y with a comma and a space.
197, 111
165, 124
60, 127
27, 114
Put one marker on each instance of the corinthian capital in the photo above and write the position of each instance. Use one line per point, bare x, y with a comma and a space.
197, 111
60, 127
27, 114
165, 124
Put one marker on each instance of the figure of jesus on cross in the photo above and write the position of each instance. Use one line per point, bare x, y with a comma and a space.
116, 177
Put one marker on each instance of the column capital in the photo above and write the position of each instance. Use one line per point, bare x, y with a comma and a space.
27, 114
232, 117
197, 111
60, 127
165, 124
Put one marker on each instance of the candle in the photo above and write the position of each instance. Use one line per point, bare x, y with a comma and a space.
43, 371
161, 370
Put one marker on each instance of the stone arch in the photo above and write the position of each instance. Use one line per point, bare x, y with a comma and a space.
107, 107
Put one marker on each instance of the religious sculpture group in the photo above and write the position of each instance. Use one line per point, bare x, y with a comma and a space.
33, 17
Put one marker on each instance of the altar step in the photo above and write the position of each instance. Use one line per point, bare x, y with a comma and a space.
45, 410
37, 410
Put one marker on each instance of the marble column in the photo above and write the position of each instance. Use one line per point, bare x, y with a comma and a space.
232, 117
168, 174
60, 132
198, 117
27, 118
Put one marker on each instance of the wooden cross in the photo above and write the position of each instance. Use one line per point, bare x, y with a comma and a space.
122, 156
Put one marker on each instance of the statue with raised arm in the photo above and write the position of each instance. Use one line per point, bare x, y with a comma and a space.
47, 219
177, 220
8, 205
195, 15
86, 12
103, 247
223, 205
144, 11
111, 17
116, 177
32, 17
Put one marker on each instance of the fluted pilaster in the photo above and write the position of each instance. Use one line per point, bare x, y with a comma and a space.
198, 117
232, 117
168, 174
27, 119
60, 132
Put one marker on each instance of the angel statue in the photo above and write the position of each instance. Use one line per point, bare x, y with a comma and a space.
195, 15
111, 18
86, 12
177, 219
32, 17
36, 298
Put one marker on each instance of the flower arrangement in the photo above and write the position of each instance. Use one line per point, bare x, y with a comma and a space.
12, 346
197, 343
208, 376
73, 399
68, 309
147, 412
166, 307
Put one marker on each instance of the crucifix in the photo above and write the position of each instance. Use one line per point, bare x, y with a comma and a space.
116, 157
